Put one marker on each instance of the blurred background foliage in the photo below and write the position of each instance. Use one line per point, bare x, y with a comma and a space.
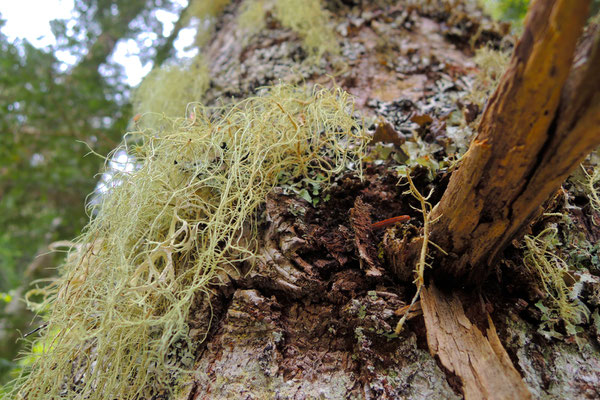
514, 11
507, 10
52, 111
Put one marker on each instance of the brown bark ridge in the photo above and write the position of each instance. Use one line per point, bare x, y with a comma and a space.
287, 332
481, 362
529, 140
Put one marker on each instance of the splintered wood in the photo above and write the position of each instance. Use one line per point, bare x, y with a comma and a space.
480, 362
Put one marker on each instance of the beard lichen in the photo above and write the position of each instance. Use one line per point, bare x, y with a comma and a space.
561, 302
592, 187
164, 236
252, 16
305, 17
167, 90
201, 15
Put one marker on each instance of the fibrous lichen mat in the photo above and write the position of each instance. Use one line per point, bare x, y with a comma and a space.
160, 238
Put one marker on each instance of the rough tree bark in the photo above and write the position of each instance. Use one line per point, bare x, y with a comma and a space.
314, 317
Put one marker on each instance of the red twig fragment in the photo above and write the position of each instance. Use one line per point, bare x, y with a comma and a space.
390, 221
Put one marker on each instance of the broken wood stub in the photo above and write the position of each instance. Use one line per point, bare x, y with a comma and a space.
534, 131
360, 220
479, 360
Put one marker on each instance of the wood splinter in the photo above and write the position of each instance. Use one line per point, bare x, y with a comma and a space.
479, 360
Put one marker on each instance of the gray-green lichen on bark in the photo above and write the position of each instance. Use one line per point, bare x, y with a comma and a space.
553, 369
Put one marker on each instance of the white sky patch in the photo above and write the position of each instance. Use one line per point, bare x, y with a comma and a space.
184, 44
122, 162
30, 19
168, 20
66, 58
127, 53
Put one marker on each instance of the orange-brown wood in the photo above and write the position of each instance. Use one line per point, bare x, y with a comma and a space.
532, 134
479, 361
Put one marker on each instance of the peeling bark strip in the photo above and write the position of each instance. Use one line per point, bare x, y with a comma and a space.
480, 362
363, 237
536, 129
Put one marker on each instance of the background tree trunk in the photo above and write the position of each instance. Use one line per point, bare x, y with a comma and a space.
307, 321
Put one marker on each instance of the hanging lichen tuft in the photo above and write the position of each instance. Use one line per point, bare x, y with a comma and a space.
167, 90
311, 22
561, 302
305, 17
201, 15
117, 316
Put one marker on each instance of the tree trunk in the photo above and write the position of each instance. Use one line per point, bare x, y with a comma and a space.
314, 316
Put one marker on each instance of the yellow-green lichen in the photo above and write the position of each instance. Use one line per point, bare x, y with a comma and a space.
252, 16
592, 187
118, 313
551, 271
305, 17
205, 9
311, 22
491, 64
202, 14
167, 91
